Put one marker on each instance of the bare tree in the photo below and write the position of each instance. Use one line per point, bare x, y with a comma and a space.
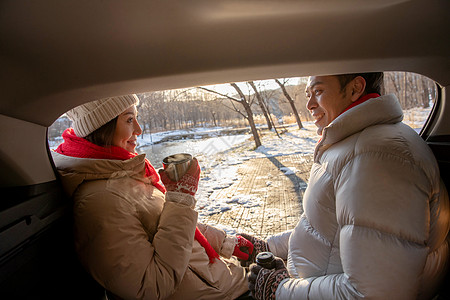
291, 102
261, 105
248, 115
264, 108
426, 92
152, 111
412, 90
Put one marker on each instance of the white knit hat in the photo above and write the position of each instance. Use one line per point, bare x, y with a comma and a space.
91, 116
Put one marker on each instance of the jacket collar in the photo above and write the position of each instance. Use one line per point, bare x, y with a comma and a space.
382, 110
74, 171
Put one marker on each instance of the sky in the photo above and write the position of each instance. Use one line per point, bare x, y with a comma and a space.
264, 84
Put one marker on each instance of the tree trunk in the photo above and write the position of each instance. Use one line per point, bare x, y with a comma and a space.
214, 118
291, 102
261, 104
252, 124
426, 93
405, 88
249, 112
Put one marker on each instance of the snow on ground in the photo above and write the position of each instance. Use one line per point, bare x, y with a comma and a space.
416, 117
220, 171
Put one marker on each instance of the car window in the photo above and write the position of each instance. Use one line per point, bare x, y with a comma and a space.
416, 93
225, 126
165, 115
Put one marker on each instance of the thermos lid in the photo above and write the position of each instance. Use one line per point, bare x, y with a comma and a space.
264, 257
177, 158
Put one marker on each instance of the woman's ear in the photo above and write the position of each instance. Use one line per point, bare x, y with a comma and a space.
358, 87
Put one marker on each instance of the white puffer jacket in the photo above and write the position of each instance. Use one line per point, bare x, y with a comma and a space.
376, 214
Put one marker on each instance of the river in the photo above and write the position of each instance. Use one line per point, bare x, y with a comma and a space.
197, 147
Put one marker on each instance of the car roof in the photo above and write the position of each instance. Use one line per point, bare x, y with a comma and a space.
58, 54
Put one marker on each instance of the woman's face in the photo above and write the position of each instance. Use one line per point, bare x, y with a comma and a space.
127, 130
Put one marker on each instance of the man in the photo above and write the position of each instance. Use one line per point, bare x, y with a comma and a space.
376, 214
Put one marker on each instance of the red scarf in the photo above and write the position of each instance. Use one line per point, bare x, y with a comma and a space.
361, 100
212, 254
79, 147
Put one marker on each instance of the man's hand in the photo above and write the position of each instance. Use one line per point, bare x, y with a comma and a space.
258, 246
187, 184
263, 283
243, 248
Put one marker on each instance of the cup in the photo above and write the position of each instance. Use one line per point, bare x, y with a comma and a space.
176, 165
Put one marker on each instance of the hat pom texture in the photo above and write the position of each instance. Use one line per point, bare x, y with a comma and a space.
91, 116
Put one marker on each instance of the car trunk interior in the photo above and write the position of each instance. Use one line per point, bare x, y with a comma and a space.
56, 55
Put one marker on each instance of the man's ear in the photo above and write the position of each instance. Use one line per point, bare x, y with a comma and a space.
358, 86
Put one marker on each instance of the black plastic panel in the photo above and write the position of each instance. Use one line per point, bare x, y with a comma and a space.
37, 257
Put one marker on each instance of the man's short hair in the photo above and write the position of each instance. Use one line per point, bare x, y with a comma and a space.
374, 81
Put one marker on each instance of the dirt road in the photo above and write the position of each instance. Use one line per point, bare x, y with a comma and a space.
278, 183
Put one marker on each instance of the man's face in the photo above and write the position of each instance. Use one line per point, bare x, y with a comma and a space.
326, 101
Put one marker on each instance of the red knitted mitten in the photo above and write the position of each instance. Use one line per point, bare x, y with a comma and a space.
242, 244
258, 246
187, 184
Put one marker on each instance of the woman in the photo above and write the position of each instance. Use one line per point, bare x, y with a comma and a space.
136, 236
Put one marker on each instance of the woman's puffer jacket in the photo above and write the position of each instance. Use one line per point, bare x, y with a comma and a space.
376, 214
138, 244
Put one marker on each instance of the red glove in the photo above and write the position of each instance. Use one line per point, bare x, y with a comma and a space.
243, 244
259, 245
187, 184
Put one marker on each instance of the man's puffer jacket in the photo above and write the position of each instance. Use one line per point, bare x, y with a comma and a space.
376, 214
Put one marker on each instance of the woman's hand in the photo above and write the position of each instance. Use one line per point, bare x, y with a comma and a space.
187, 184
243, 248
259, 245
